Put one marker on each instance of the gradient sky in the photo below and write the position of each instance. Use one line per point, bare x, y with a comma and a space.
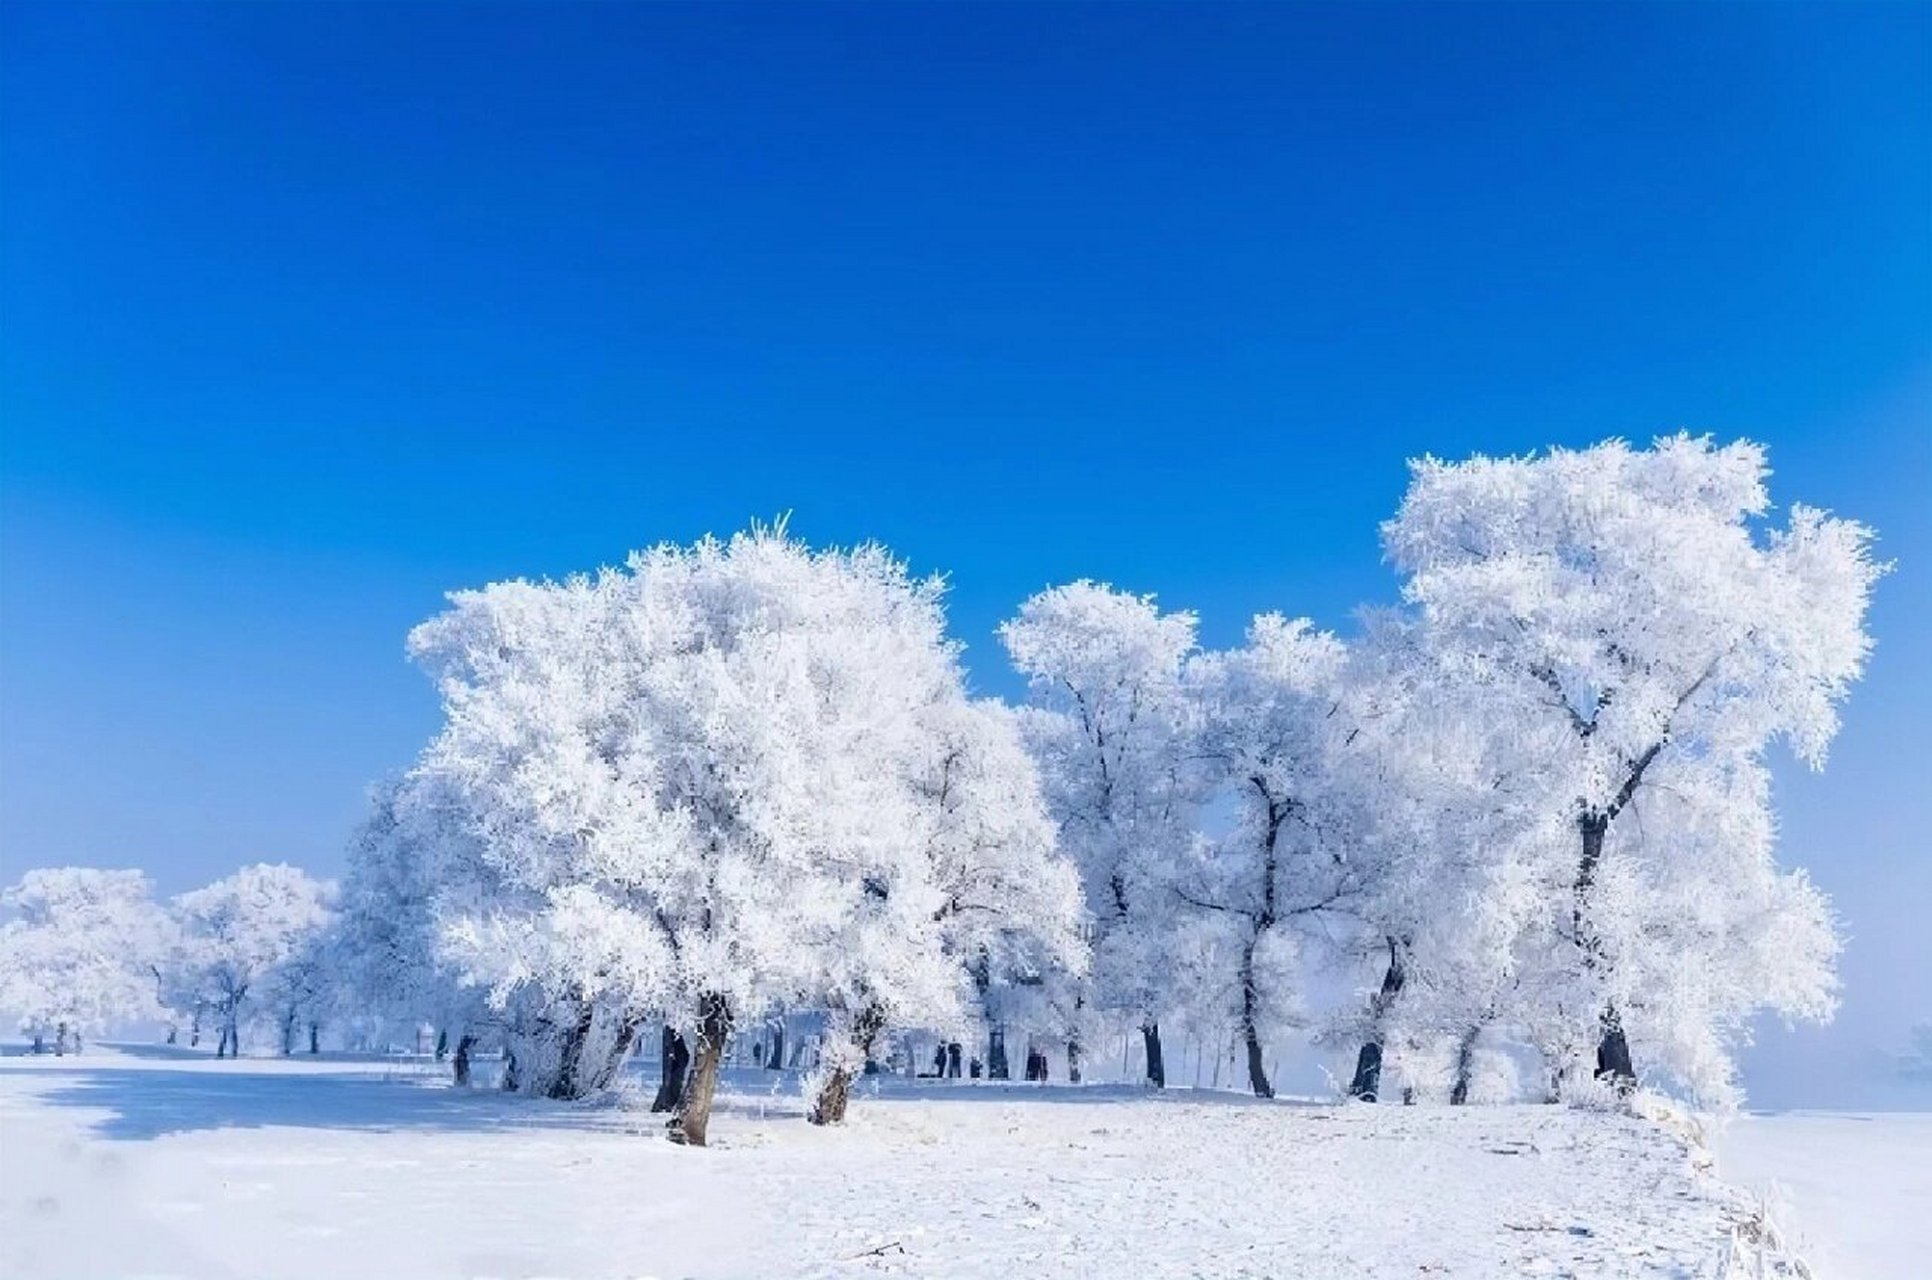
311, 313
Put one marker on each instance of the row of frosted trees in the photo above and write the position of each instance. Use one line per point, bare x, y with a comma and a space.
1525, 813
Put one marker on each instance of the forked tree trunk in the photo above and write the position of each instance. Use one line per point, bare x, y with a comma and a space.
674, 1059
1367, 1084
694, 1111
829, 1106
1150, 1034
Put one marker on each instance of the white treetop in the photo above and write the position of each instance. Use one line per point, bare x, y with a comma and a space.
1635, 637
237, 933
76, 954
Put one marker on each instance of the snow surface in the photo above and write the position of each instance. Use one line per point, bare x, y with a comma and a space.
155, 1163
1852, 1191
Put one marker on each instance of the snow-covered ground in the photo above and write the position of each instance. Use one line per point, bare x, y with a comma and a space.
140, 1163
1853, 1190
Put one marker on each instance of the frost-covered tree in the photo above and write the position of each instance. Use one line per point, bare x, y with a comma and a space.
1274, 725
1108, 723
77, 951
237, 934
1000, 910
690, 789
1634, 636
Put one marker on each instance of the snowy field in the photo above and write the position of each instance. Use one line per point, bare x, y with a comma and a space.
139, 1163
1853, 1190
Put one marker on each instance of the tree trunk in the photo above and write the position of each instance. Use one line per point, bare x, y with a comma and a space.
1250, 1032
512, 1077
850, 1059
1150, 1034
613, 1062
1613, 1049
1613, 1053
1465, 1065
442, 1043
776, 1062
60, 1040
194, 1028
996, 1065
674, 1058
288, 1033
40, 1042
694, 1110
570, 1061
461, 1065
315, 1037
1367, 1083
1073, 1062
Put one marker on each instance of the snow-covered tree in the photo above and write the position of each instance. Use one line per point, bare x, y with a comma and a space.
691, 789
77, 951
1273, 726
239, 933
1108, 723
1634, 636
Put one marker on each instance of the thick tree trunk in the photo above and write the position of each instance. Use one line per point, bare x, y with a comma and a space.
613, 1061
694, 1111
570, 1060
1367, 1084
836, 1093
460, 1066
1150, 1034
1465, 1065
1613, 1049
1613, 1053
674, 1058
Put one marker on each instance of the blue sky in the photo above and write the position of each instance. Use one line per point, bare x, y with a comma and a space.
311, 313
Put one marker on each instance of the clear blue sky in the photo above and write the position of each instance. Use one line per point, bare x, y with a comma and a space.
311, 313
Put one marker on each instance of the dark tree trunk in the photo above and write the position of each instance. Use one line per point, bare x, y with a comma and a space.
570, 1061
60, 1041
674, 1058
1613, 1048
460, 1066
776, 1062
442, 1043
512, 1077
954, 1053
1150, 1034
288, 1034
1367, 1084
829, 1107
1613, 1053
1250, 1032
40, 1042
315, 1037
1073, 1062
694, 1111
996, 1065
1465, 1066
194, 1028
174, 1033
